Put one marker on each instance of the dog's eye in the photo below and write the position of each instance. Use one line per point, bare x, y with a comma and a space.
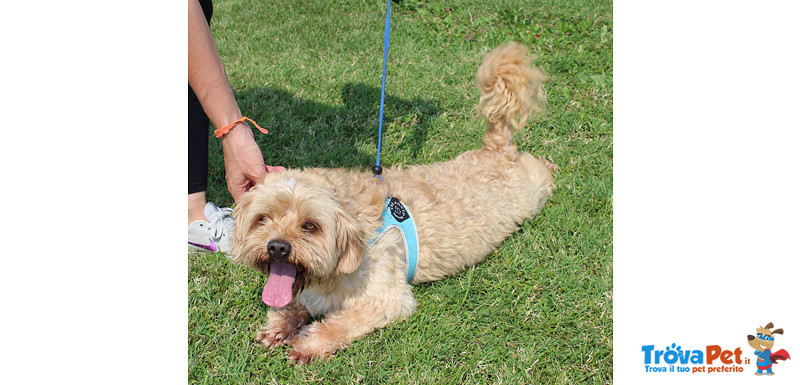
309, 226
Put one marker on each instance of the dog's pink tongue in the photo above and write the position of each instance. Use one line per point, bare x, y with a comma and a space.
278, 290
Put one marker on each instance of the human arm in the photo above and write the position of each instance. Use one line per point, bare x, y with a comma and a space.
244, 162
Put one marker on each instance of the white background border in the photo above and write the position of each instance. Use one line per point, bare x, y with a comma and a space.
706, 181
94, 166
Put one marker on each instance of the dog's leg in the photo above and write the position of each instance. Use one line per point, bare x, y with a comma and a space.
283, 324
339, 328
336, 331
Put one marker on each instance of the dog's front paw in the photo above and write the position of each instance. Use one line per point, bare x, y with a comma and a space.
302, 358
272, 337
283, 325
309, 346
302, 354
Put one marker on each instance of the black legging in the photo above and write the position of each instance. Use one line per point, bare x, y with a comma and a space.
198, 130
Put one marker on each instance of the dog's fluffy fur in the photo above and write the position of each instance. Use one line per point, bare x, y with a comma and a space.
463, 209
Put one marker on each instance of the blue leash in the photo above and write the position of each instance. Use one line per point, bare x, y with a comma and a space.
377, 170
395, 214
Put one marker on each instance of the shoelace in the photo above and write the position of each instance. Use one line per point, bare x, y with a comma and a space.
221, 221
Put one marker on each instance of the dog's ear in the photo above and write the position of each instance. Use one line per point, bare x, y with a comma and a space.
777, 331
242, 218
769, 326
349, 243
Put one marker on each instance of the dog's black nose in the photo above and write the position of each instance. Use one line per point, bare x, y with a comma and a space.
278, 249
750, 338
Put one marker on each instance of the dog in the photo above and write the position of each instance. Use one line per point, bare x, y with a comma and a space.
763, 342
314, 230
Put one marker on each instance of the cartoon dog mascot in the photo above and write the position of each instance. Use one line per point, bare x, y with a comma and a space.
762, 343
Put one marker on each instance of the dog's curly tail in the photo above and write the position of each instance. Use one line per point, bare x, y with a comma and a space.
511, 91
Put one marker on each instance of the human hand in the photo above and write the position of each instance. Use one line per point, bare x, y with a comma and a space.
244, 163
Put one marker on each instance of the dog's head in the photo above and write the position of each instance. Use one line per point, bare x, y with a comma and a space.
764, 338
297, 230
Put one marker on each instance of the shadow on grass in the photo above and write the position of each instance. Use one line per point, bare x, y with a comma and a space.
306, 133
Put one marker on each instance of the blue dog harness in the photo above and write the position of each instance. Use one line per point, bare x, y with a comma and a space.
397, 215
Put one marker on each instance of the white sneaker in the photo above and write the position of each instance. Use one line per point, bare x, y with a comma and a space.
215, 234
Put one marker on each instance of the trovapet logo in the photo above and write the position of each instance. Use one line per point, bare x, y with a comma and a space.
712, 359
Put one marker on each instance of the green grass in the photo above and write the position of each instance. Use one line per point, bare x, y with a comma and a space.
539, 310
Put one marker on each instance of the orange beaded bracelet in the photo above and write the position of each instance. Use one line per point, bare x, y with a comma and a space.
224, 130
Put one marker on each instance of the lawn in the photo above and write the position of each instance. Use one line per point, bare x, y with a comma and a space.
539, 310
